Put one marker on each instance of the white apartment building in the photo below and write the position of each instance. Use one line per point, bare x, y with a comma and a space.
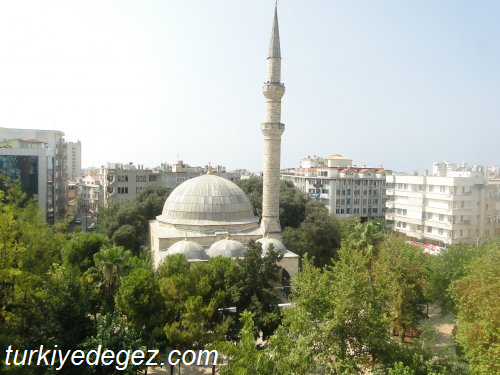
74, 159
90, 193
37, 158
345, 189
459, 206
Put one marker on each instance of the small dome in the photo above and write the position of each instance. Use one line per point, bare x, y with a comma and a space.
227, 248
190, 249
208, 200
277, 245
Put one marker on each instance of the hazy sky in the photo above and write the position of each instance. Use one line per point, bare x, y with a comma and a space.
393, 83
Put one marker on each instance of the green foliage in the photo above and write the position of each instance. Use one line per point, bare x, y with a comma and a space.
114, 333
400, 273
110, 265
127, 224
477, 299
192, 297
446, 269
243, 357
292, 201
80, 249
318, 235
336, 323
257, 275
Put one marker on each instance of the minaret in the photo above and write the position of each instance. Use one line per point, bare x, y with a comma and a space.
272, 128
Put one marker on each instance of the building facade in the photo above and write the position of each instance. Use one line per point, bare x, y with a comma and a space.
74, 159
345, 189
37, 158
456, 206
124, 182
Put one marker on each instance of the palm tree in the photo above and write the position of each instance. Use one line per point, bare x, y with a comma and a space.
110, 265
367, 238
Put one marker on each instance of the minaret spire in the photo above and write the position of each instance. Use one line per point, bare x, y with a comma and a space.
274, 42
272, 129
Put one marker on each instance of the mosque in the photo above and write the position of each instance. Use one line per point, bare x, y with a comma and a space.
210, 216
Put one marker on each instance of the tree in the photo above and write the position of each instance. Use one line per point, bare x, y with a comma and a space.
478, 320
366, 239
447, 268
139, 299
293, 205
79, 250
318, 235
400, 274
244, 358
110, 265
292, 201
127, 224
114, 333
336, 323
192, 299
257, 276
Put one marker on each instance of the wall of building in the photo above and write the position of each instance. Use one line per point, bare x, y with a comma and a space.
443, 210
345, 190
50, 148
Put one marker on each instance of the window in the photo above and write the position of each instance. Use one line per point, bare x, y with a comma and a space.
429, 215
429, 229
123, 190
442, 189
440, 231
441, 217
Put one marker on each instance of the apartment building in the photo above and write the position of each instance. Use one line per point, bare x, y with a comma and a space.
124, 182
344, 188
451, 207
90, 193
74, 159
37, 158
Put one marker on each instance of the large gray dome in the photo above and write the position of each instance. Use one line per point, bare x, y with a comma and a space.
207, 200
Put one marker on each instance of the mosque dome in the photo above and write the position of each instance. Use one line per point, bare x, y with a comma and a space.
190, 249
277, 245
227, 248
208, 200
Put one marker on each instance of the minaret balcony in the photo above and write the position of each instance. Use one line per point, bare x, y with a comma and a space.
273, 91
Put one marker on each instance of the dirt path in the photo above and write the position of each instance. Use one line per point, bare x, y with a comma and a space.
443, 328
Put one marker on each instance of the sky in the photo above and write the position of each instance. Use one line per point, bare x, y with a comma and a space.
394, 83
